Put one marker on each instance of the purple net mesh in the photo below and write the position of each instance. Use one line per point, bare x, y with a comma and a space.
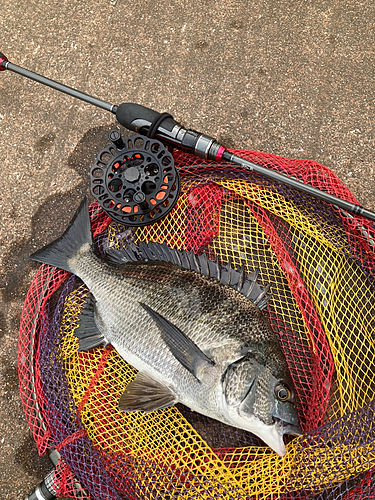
320, 262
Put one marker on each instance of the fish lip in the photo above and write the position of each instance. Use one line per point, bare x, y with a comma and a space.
286, 413
277, 443
271, 435
293, 430
287, 428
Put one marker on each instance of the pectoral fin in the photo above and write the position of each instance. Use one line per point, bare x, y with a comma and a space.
183, 348
146, 394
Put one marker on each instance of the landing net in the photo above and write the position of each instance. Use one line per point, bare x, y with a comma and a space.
320, 262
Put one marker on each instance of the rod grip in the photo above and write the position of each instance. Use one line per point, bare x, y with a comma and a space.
136, 117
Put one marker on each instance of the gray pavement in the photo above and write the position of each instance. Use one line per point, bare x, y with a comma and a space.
294, 78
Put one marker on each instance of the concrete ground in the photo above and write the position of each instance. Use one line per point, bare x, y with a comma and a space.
290, 77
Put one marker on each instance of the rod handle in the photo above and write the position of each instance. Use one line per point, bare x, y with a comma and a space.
137, 117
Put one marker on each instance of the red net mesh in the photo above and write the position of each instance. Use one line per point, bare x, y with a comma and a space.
320, 262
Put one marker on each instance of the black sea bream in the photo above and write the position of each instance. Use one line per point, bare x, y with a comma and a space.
193, 328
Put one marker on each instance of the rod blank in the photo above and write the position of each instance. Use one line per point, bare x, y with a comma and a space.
306, 188
176, 142
59, 86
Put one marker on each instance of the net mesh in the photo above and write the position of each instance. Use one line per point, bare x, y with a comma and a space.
320, 262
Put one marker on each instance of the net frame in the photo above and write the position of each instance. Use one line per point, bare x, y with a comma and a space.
279, 215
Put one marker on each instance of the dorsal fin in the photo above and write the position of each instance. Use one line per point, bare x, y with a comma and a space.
227, 274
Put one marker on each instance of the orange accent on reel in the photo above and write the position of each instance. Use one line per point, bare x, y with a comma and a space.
160, 195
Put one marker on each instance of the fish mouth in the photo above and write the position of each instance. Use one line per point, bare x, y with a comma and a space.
292, 430
273, 436
286, 427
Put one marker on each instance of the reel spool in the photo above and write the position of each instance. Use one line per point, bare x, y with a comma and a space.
135, 180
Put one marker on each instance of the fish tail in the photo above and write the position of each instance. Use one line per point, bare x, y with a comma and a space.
60, 252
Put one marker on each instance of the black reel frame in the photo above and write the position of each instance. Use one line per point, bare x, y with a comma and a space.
134, 180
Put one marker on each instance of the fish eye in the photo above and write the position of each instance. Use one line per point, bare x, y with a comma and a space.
282, 392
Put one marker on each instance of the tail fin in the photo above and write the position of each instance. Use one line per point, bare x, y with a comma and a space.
64, 248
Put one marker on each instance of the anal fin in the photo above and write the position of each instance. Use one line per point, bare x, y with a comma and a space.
146, 394
88, 333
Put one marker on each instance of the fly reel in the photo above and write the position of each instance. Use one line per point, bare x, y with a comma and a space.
134, 180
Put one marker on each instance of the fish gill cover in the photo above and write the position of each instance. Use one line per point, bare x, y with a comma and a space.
320, 263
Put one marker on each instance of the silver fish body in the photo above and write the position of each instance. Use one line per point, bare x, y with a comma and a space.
192, 339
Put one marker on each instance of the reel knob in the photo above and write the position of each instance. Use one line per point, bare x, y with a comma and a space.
134, 180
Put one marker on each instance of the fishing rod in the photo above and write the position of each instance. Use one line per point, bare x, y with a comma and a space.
128, 182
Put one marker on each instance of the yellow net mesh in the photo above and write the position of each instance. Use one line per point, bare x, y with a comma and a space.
322, 306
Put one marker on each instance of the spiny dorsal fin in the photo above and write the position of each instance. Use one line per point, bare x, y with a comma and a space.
237, 278
246, 284
131, 253
214, 268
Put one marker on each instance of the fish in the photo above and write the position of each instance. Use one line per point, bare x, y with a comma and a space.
192, 327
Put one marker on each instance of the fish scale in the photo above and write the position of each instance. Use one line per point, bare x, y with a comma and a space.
123, 327
192, 327
123, 321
